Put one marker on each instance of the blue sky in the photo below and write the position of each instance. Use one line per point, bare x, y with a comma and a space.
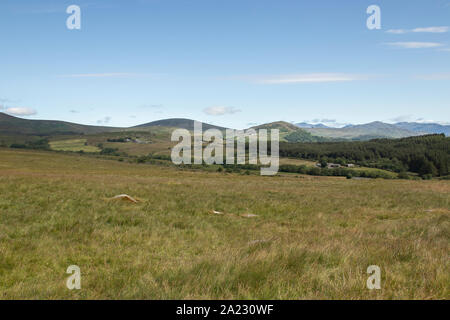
232, 62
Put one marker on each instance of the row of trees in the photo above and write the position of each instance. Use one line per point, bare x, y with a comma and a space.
425, 155
40, 144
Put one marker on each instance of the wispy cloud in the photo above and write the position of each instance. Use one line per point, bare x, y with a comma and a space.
397, 31
19, 111
423, 120
415, 45
432, 29
220, 110
308, 78
411, 118
442, 29
323, 120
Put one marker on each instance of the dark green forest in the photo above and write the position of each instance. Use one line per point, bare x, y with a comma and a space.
424, 155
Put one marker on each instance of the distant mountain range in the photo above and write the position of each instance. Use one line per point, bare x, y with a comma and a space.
425, 127
300, 132
309, 125
375, 129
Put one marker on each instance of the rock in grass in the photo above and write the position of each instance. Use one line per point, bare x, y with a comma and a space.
124, 197
249, 215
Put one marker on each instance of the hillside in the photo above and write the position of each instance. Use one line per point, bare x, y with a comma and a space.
176, 123
290, 132
10, 125
367, 131
425, 127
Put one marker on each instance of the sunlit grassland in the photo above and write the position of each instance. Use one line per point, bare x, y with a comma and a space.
314, 237
74, 145
310, 163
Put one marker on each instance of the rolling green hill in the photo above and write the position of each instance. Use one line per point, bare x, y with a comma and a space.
10, 125
290, 132
177, 123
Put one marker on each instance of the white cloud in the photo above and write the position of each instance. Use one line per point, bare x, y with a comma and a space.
220, 111
415, 45
417, 30
432, 29
397, 31
411, 118
323, 120
20, 111
310, 78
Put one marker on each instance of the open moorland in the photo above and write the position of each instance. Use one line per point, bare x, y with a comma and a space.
199, 234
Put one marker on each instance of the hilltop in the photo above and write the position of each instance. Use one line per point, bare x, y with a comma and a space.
372, 130
10, 125
177, 123
290, 132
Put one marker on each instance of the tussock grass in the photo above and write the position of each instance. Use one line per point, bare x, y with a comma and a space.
317, 235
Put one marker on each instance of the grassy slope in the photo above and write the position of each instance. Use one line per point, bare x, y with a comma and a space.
322, 233
10, 125
73, 145
310, 163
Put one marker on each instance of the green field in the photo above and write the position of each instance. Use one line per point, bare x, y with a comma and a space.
73, 145
313, 237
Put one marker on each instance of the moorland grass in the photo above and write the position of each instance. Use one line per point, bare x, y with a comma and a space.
312, 238
73, 145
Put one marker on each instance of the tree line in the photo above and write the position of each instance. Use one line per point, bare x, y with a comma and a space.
424, 155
